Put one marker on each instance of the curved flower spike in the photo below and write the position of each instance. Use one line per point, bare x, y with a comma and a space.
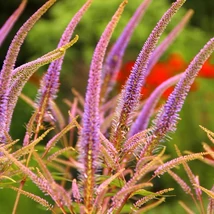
19, 71
50, 83
24, 72
167, 118
114, 58
11, 21
177, 161
10, 59
142, 120
14, 48
131, 92
89, 142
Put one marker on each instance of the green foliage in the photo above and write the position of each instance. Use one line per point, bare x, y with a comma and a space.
94, 21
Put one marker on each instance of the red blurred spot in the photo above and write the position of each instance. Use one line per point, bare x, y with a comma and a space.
35, 79
209, 156
124, 73
207, 70
162, 71
176, 62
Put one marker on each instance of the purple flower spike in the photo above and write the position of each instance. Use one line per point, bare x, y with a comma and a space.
142, 121
11, 21
114, 58
9, 62
50, 83
131, 92
90, 143
14, 48
22, 74
167, 118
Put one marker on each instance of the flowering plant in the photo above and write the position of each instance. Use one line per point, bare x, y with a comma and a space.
112, 165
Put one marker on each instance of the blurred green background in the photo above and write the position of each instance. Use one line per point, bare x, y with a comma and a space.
198, 108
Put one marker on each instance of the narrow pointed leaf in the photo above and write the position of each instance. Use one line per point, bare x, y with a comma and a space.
105, 184
152, 196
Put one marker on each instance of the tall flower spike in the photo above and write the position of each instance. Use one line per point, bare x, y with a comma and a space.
9, 62
50, 83
166, 120
90, 143
114, 58
22, 74
11, 21
14, 48
131, 92
142, 120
